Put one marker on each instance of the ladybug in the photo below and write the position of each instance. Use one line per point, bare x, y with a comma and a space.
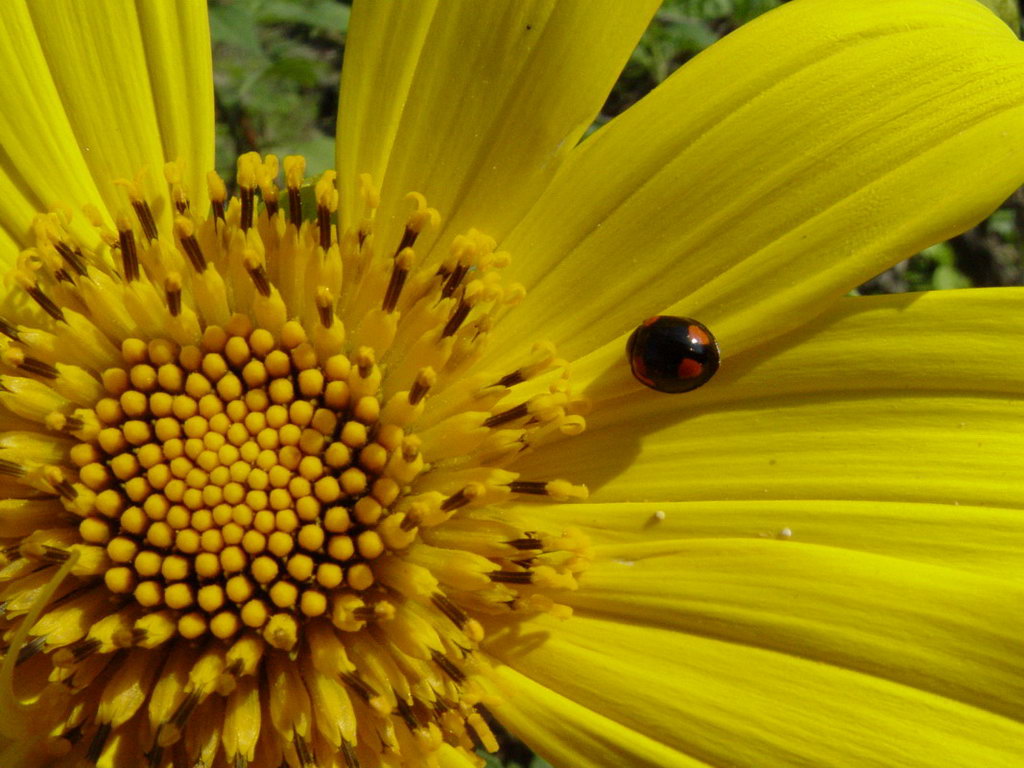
672, 354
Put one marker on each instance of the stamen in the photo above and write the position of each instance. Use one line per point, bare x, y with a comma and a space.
453, 280
325, 306
424, 380
258, 273
145, 216
518, 412
526, 543
399, 273
70, 256
44, 301
9, 330
218, 194
457, 318
172, 291
184, 229
294, 170
128, 256
99, 740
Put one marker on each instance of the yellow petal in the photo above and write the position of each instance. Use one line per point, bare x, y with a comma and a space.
799, 156
570, 734
980, 539
41, 163
898, 398
929, 627
734, 704
98, 63
176, 38
473, 104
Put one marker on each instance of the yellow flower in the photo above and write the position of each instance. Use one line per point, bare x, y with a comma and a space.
300, 487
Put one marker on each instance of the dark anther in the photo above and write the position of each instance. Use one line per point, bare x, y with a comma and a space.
155, 756
505, 417
295, 206
302, 749
30, 649
74, 735
407, 714
218, 209
349, 753
526, 543
271, 205
398, 275
66, 489
457, 318
184, 709
195, 254
510, 577
259, 278
99, 739
174, 301
9, 330
38, 367
408, 240
323, 223
510, 379
325, 312
54, 554
363, 689
248, 195
419, 390
145, 216
81, 649
453, 280
456, 500
44, 301
448, 667
11, 468
70, 256
129, 258
72, 424
450, 609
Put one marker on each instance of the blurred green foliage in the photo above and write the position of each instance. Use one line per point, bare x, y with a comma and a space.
276, 65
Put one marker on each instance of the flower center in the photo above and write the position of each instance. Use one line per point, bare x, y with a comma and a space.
254, 432
239, 481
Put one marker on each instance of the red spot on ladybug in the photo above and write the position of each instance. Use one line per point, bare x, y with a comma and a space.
689, 369
672, 354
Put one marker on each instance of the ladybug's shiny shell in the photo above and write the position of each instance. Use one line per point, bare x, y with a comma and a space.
672, 354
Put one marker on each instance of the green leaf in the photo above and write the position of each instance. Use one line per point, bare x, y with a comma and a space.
234, 25
328, 15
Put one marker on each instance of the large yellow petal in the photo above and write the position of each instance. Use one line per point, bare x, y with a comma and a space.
929, 627
746, 705
41, 163
97, 58
802, 154
176, 38
899, 398
980, 539
473, 104
571, 734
